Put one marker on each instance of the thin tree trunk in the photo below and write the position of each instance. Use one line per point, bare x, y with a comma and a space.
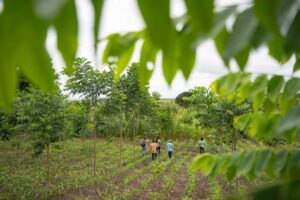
94, 134
48, 168
121, 143
134, 140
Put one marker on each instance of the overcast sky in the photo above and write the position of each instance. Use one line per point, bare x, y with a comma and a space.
123, 16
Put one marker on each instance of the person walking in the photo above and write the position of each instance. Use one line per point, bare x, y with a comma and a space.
153, 150
170, 148
202, 145
158, 145
144, 146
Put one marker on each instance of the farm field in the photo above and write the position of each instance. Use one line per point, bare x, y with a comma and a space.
71, 173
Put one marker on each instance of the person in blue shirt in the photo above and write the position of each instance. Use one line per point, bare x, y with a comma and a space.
202, 145
170, 148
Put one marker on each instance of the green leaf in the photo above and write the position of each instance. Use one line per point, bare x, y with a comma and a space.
275, 85
297, 63
241, 122
24, 47
205, 163
266, 11
187, 54
243, 30
262, 160
278, 51
221, 18
257, 91
201, 14
124, 60
147, 60
120, 48
293, 166
220, 43
229, 83
170, 64
242, 58
246, 163
260, 37
280, 160
8, 80
222, 164
66, 25
279, 191
232, 168
97, 6
156, 14
292, 38
290, 121
287, 12
289, 94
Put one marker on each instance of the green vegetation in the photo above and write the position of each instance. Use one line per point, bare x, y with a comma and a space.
250, 122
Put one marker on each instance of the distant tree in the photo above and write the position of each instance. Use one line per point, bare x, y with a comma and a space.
216, 112
43, 114
92, 85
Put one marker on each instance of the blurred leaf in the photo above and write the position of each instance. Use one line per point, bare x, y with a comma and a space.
262, 160
120, 48
201, 14
147, 60
290, 91
97, 6
277, 50
156, 14
229, 83
220, 20
170, 64
220, 43
221, 165
257, 91
266, 11
292, 37
124, 60
242, 58
241, 122
279, 191
66, 25
290, 121
205, 163
242, 32
286, 14
280, 161
187, 54
297, 63
246, 163
293, 166
8, 80
24, 47
275, 85
260, 37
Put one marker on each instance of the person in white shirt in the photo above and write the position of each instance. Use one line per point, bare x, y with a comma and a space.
202, 145
170, 148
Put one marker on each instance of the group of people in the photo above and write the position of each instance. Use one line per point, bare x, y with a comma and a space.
155, 146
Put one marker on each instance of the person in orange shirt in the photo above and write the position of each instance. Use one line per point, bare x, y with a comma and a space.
153, 149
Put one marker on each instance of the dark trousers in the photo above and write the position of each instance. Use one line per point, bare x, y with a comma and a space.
158, 150
201, 150
170, 154
154, 156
